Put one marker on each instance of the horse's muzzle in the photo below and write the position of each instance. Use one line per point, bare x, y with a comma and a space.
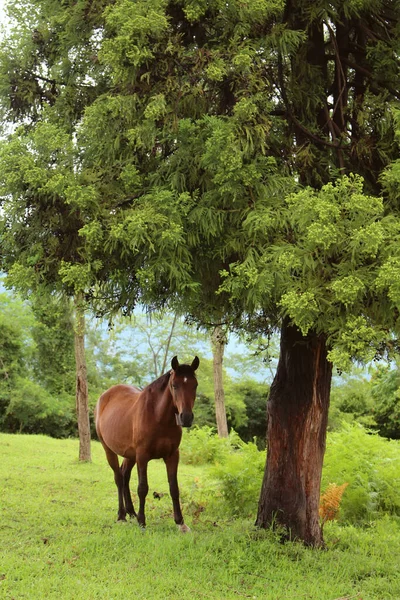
186, 419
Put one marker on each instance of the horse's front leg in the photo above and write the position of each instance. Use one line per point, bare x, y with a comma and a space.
143, 489
172, 471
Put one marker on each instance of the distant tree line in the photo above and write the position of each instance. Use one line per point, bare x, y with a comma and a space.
37, 371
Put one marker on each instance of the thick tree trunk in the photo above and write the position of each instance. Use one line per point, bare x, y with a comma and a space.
297, 421
218, 346
82, 402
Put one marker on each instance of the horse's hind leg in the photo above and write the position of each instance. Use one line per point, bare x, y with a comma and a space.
126, 470
118, 478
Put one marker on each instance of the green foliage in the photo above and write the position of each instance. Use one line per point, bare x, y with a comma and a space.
385, 392
201, 445
373, 401
364, 460
371, 467
351, 400
34, 410
53, 334
222, 148
16, 347
325, 278
255, 396
239, 481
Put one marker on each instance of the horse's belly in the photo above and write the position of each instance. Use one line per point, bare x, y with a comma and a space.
118, 436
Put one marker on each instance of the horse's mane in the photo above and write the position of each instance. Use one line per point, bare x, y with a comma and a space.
162, 381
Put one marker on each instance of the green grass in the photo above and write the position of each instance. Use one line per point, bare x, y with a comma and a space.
59, 540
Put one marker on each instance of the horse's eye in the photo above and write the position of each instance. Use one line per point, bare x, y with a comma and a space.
174, 386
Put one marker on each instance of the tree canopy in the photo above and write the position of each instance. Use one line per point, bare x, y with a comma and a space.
200, 147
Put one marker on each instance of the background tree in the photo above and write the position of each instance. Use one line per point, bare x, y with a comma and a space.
372, 399
218, 343
385, 392
31, 398
40, 232
49, 73
14, 350
53, 335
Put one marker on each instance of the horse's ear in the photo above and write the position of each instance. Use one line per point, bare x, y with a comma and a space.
195, 363
175, 363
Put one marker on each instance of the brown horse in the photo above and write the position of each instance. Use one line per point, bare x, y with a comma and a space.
142, 425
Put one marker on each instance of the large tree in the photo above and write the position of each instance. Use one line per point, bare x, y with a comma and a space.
244, 155
45, 62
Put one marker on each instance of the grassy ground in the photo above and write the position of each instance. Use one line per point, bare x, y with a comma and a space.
59, 540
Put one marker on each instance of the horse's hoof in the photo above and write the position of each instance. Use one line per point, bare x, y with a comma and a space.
184, 528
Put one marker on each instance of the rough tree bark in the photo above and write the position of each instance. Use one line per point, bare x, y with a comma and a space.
297, 421
82, 402
218, 340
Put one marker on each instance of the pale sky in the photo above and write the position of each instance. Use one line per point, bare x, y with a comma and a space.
2, 15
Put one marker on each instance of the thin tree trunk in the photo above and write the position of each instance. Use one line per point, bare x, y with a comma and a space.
218, 340
297, 421
171, 333
82, 403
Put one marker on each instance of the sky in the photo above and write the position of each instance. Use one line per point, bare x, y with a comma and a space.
2, 13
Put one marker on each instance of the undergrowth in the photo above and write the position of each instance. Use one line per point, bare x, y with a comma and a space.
367, 465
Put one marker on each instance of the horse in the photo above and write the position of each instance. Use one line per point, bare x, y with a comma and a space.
140, 425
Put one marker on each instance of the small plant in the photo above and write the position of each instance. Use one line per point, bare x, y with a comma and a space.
330, 502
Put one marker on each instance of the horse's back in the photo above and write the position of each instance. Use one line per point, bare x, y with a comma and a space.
117, 397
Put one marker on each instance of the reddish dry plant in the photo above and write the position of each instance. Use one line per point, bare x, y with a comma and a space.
330, 501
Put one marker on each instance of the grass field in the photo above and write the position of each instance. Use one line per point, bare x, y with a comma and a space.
59, 540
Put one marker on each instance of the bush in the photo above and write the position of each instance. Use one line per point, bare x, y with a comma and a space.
239, 481
370, 465
33, 410
202, 445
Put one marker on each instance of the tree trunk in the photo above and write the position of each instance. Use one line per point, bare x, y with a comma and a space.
171, 333
82, 403
218, 342
297, 421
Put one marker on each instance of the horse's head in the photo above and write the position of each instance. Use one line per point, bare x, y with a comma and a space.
183, 385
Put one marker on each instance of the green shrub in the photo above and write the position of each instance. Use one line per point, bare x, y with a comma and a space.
34, 410
239, 480
202, 445
370, 465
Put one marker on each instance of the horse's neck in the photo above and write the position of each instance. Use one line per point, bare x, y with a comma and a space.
164, 407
